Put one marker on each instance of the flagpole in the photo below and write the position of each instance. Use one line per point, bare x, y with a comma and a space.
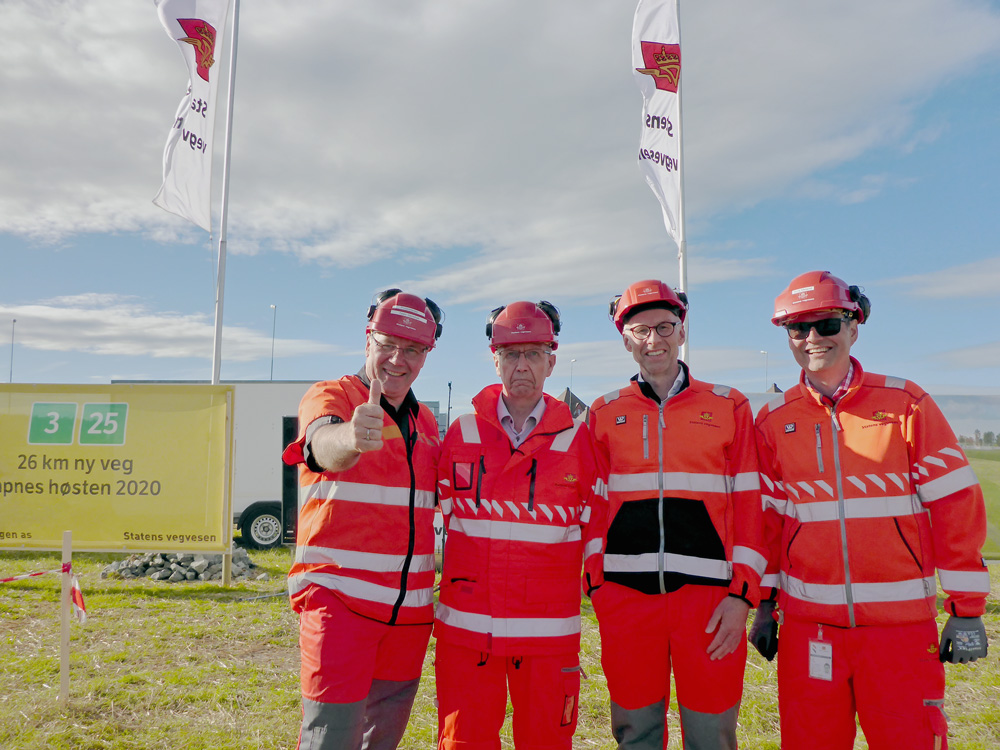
681, 237
224, 214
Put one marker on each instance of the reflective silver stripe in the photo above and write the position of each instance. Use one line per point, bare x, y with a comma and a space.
721, 390
509, 627
593, 547
374, 494
376, 562
650, 482
862, 593
748, 556
769, 580
779, 505
864, 507
366, 590
564, 439
470, 430
747, 481
485, 528
893, 382
446, 505
648, 563
953, 481
977, 581
609, 397
585, 515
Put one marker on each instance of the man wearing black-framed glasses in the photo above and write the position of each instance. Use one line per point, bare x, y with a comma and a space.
363, 577
866, 492
683, 554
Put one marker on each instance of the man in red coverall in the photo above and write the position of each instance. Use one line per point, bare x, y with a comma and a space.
517, 488
866, 492
363, 577
683, 555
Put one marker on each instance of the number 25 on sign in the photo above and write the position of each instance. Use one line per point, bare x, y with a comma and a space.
54, 423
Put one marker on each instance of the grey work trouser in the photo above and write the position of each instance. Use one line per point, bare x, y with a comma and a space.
375, 723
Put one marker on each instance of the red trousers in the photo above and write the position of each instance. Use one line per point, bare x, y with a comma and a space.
889, 674
342, 652
472, 699
644, 636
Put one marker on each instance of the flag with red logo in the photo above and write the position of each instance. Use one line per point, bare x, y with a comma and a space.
656, 63
197, 26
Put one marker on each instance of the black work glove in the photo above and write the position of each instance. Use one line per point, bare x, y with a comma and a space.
963, 639
763, 634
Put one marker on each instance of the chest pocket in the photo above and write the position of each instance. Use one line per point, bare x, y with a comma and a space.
467, 476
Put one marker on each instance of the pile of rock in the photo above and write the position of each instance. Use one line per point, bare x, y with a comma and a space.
174, 567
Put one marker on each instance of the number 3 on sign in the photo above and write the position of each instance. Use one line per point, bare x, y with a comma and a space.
103, 424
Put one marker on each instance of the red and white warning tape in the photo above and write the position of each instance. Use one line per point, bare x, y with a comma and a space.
76, 594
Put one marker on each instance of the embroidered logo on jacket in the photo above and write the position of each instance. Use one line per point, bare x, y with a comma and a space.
707, 416
789, 428
620, 419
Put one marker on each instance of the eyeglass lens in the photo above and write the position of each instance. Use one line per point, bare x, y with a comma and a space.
663, 329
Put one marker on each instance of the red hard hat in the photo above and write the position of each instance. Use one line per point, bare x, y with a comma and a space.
642, 293
407, 316
819, 290
523, 323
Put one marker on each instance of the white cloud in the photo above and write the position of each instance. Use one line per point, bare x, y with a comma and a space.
363, 131
116, 325
979, 279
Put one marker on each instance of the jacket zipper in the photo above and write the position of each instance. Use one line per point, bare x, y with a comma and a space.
531, 486
842, 512
660, 558
819, 447
645, 436
410, 441
479, 480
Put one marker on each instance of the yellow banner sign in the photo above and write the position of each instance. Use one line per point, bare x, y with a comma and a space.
124, 467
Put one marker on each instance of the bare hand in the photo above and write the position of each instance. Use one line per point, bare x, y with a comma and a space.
366, 423
730, 617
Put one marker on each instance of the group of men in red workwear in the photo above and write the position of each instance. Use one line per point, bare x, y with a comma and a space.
671, 507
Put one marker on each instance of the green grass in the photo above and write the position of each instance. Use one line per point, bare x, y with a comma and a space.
986, 464
198, 666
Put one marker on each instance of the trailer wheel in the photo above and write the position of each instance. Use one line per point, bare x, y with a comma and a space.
261, 529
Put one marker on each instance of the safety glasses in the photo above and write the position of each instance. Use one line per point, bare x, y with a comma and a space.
825, 327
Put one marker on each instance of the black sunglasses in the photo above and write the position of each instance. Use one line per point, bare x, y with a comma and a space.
824, 327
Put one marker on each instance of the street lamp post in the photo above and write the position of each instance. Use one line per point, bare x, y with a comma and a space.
274, 323
765, 370
447, 423
12, 322
571, 375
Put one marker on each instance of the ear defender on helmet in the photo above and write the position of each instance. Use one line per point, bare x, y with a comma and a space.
863, 303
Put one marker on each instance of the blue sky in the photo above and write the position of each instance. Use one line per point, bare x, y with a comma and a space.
480, 153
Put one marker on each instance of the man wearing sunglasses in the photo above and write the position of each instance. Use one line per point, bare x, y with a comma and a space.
866, 492
363, 577
517, 486
683, 554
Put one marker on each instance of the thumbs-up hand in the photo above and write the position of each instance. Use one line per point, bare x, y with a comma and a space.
367, 421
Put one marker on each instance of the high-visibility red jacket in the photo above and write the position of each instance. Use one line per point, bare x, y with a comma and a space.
863, 499
683, 488
367, 533
518, 520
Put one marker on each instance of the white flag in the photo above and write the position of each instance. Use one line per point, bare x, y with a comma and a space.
197, 26
656, 63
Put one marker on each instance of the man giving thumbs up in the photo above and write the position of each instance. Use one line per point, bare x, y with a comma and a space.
363, 575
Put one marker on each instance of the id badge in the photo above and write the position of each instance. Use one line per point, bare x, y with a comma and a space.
821, 660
